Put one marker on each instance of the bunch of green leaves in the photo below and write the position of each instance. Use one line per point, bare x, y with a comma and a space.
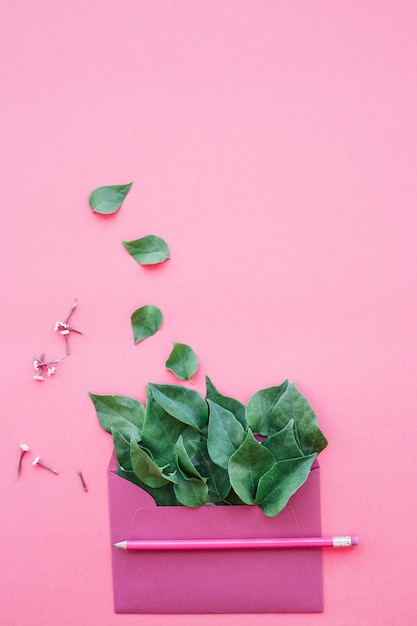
186, 449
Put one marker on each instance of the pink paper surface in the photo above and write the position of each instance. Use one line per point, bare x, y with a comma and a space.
273, 145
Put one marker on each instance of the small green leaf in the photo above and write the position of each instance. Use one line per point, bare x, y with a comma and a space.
247, 465
283, 445
163, 496
160, 430
183, 461
148, 250
182, 361
190, 486
262, 407
233, 498
225, 434
278, 485
145, 468
232, 405
184, 404
293, 405
121, 413
108, 199
122, 450
131, 476
192, 492
218, 481
193, 441
146, 321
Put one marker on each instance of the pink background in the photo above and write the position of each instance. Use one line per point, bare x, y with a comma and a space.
273, 145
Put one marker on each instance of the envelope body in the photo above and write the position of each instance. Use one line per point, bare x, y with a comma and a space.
214, 581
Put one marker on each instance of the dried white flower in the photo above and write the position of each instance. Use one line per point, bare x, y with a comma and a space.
65, 329
38, 461
40, 365
24, 448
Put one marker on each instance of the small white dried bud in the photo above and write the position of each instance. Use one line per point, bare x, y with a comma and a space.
38, 377
50, 370
24, 447
37, 461
64, 332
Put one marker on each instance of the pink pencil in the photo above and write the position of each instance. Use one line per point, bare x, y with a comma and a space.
238, 544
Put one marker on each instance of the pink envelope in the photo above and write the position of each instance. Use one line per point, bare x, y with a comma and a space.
215, 581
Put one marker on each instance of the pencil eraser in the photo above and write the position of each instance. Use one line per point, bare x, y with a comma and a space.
355, 540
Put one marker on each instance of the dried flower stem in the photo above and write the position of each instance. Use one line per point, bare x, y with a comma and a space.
80, 474
64, 328
24, 449
40, 364
37, 461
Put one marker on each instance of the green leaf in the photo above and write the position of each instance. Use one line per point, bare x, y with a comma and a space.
108, 199
193, 441
145, 468
163, 496
122, 450
192, 492
281, 482
293, 405
232, 405
225, 434
218, 481
121, 413
283, 445
146, 321
261, 409
161, 430
247, 465
233, 498
184, 404
131, 476
148, 250
183, 461
182, 361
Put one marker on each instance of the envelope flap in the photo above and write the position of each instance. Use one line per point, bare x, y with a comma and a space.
124, 498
